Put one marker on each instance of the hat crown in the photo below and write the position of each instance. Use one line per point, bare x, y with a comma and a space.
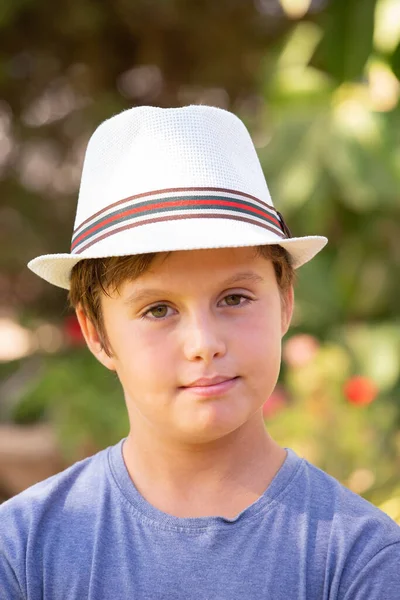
166, 179
146, 149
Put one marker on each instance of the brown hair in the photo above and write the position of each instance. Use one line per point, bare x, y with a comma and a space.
92, 277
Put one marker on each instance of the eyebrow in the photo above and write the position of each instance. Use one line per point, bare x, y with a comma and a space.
145, 295
243, 276
152, 292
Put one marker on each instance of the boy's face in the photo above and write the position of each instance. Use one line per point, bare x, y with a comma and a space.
198, 314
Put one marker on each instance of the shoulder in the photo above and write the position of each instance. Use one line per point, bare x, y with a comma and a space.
359, 542
33, 519
334, 501
358, 535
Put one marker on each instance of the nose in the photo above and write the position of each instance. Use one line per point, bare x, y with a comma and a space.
202, 339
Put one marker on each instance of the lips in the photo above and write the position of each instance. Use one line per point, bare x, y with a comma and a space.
208, 381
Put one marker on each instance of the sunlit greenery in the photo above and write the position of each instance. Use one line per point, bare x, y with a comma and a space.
317, 85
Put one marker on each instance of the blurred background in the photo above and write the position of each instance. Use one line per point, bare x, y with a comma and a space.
316, 82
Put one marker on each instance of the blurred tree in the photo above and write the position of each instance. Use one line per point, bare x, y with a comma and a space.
316, 83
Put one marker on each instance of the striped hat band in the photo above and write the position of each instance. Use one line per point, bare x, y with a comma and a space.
175, 204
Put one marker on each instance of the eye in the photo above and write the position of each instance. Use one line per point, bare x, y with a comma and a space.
236, 300
158, 312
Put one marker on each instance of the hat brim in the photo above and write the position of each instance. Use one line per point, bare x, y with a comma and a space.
56, 268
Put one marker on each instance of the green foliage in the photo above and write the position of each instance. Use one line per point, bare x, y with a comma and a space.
347, 41
320, 97
355, 442
81, 398
395, 61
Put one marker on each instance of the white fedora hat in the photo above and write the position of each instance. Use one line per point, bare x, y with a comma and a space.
157, 179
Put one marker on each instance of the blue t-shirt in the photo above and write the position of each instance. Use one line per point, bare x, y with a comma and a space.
87, 533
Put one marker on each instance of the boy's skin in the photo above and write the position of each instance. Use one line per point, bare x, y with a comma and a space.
195, 452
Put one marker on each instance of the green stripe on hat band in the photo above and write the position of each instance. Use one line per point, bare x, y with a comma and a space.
170, 201
201, 204
178, 217
182, 193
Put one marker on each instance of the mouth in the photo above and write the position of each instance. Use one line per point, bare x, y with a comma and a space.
207, 381
216, 386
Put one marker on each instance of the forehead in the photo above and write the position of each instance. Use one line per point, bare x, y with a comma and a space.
213, 259
192, 269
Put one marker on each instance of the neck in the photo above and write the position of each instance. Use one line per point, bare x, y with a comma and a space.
218, 478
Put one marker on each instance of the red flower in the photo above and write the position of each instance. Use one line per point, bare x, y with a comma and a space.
73, 332
360, 390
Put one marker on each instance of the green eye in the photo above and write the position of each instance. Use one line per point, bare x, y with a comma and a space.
159, 311
233, 299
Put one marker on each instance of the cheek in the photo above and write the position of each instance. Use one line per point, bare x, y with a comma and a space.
259, 346
261, 331
144, 359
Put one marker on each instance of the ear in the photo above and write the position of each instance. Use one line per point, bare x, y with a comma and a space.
93, 340
287, 304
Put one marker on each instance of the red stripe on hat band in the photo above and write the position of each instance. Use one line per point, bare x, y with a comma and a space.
169, 217
174, 190
174, 203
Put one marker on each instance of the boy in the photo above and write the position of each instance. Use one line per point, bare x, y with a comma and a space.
181, 274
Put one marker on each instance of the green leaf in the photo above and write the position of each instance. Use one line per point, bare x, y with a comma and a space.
348, 39
395, 61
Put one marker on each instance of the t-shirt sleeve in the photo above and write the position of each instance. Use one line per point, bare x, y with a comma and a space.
9, 586
13, 534
379, 579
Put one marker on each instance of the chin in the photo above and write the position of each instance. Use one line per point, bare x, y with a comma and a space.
211, 429
205, 437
